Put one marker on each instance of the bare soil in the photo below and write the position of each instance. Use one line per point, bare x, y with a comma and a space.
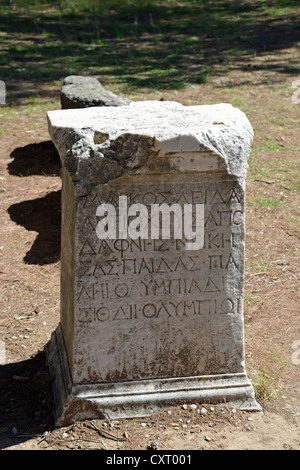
30, 280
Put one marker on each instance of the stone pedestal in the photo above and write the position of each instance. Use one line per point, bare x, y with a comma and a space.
149, 322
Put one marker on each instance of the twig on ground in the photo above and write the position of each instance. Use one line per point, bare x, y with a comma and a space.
107, 434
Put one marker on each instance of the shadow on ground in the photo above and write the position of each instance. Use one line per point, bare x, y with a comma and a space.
42, 215
25, 401
160, 45
35, 159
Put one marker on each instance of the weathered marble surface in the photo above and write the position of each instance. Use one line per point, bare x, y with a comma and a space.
84, 92
145, 323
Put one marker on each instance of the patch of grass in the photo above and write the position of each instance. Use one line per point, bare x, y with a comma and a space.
237, 52
249, 298
257, 168
292, 219
261, 264
23, 176
279, 170
283, 121
34, 99
266, 202
279, 359
269, 145
5, 60
118, 41
264, 385
295, 183
284, 86
276, 11
293, 69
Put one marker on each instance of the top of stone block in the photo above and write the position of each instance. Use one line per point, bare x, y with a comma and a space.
101, 143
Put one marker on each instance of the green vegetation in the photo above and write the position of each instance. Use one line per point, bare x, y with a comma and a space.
266, 382
249, 298
134, 44
269, 145
266, 202
260, 264
264, 385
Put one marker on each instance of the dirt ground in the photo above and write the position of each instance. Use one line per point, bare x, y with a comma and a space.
30, 278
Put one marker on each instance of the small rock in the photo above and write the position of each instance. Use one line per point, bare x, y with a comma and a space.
203, 411
169, 412
193, 407
184, 407
64, 435
207, 438
153, 446
143, 425
14, 431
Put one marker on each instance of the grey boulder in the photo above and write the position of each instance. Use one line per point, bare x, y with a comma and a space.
85, 92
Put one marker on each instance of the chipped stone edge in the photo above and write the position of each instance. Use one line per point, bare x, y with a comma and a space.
76, 146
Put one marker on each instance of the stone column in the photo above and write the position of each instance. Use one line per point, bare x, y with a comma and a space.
150, 318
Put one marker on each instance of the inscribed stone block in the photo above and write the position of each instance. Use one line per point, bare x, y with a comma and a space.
150, 320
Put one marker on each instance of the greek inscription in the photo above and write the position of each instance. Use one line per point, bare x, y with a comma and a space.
169, 310
88, 224
219, 218
193, 196
121, 247
149, 279
222, 261
149, 287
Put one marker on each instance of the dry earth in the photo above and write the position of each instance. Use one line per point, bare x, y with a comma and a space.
30, 271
